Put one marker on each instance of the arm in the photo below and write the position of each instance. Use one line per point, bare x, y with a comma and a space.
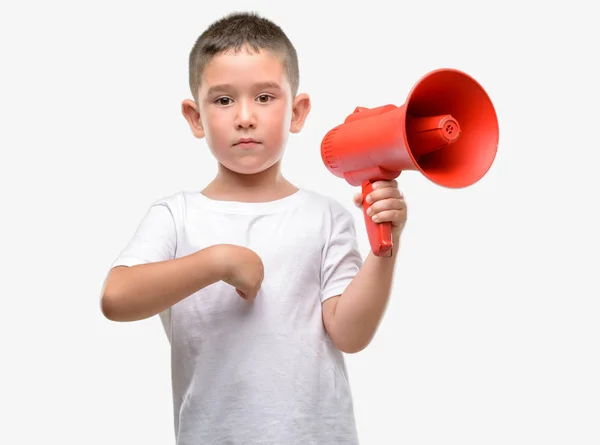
141, 291
148, 278
353, 318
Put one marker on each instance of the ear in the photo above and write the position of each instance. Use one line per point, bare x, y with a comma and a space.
189, 109
300, 110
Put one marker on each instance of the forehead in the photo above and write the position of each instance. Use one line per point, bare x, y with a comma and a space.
244, 68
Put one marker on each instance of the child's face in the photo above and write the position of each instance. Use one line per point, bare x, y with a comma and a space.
246, 96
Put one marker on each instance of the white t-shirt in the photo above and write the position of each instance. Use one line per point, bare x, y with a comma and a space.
264, 372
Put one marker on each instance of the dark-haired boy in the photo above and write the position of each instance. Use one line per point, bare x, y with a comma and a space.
259, 284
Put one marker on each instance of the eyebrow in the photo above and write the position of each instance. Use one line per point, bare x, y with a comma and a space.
228, 87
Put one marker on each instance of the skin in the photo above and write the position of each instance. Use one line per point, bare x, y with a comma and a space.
246, 94
247, 107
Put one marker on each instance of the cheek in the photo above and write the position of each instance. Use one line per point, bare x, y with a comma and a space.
279, 121
214, 128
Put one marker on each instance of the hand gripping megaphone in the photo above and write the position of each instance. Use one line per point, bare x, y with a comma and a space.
447, 129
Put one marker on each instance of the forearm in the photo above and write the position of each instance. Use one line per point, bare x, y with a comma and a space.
362, 305
141, 291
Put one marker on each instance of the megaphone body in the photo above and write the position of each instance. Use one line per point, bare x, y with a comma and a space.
447, 129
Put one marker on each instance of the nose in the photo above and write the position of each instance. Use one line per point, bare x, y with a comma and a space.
245, 117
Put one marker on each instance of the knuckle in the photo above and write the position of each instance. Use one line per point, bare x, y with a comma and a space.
388, 192
379, 206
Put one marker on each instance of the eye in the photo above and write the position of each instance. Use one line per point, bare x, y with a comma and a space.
264, 98
223, 101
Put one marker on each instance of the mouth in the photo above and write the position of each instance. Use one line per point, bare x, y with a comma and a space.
246, 143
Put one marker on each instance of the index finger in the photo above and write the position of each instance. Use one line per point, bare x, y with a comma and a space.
382, 184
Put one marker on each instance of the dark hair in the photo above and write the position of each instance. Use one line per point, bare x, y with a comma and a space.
233, 32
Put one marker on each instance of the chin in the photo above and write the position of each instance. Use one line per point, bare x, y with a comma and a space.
250, 166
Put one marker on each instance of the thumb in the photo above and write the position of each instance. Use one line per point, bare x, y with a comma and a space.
358, 199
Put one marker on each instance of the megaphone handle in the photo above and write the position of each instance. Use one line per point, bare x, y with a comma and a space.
380, 234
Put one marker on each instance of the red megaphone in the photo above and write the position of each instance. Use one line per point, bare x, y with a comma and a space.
447, 129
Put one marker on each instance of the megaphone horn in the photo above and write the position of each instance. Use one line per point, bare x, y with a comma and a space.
447, 129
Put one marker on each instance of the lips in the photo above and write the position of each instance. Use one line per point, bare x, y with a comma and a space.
246, 144
246, 141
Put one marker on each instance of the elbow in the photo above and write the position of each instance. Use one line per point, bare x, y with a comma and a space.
114, 311
351, 346
110, 307
111, 303
116, 307
348, 342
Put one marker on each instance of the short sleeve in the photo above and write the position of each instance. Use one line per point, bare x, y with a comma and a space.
155, 239
341, 259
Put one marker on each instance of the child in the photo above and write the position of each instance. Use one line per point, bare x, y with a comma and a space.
259, 284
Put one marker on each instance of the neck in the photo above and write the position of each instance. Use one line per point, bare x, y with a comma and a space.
267, 185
